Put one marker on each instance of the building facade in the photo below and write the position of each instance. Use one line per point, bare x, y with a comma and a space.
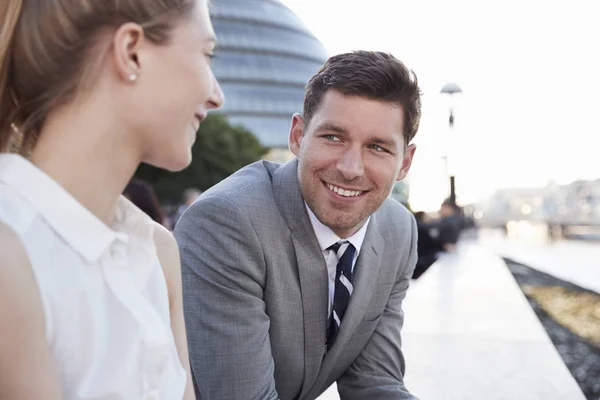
265, 58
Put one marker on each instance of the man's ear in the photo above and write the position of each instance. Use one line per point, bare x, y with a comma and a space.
296, 134
406, 161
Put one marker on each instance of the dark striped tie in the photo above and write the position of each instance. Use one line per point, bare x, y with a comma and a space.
342, 288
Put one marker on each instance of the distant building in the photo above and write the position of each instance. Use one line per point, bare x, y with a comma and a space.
576, 203
266, 56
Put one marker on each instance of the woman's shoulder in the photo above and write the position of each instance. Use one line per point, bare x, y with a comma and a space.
23, 321
13, 250
17, 281
164, 241
166, 248
168, 257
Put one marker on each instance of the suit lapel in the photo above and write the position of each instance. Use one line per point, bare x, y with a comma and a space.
364, 280
312, 270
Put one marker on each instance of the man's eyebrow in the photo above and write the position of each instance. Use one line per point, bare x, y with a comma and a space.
330, 126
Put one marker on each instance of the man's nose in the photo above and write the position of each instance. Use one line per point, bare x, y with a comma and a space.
351, 163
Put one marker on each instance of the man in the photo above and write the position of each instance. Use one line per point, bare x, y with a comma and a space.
189, 196
449, 226
428, 246
294, 274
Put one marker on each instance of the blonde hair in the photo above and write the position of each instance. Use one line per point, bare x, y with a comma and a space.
45, 47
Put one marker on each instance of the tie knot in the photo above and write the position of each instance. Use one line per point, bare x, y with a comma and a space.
336, 246
341, 247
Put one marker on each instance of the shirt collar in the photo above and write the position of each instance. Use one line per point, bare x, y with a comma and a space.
75, 224
326, 237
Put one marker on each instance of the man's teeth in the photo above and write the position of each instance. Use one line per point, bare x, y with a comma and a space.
343, 192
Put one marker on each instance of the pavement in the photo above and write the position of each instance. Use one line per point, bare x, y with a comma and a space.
574, 261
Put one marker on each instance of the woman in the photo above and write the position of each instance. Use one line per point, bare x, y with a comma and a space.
90, 291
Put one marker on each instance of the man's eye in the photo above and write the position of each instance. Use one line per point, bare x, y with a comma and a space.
378, 148
332, 138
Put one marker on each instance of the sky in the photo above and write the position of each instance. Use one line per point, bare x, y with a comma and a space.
530, 75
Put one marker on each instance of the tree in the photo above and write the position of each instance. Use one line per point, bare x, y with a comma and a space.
220, 150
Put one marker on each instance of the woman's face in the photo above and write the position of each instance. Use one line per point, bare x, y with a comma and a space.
174, 92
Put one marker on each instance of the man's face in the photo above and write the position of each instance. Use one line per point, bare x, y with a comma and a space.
446, 211
349, 157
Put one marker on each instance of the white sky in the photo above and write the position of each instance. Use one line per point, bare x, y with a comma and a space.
529, 70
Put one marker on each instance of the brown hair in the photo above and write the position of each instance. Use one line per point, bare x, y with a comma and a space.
142, 194
45, 46
371, 74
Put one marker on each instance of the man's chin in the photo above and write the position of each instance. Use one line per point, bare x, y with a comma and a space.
339, 224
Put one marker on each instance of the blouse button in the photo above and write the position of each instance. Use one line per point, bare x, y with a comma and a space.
118, 250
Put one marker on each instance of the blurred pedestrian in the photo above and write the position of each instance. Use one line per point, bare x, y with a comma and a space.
143, 196
189, 196
450, 226
428, 247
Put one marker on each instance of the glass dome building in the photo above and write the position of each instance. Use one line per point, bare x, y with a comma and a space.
265, 58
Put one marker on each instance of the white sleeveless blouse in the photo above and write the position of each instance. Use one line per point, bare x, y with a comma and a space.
103, 290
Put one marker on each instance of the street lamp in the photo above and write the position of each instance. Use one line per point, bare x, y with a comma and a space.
451, 89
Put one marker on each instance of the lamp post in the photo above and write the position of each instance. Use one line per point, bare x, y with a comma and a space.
451, 89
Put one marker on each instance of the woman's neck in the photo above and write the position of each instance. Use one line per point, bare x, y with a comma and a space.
89, 158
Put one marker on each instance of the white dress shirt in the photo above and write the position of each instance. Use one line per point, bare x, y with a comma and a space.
103, 290
326, 237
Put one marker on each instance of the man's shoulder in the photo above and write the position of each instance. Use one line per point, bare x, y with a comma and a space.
250, 186
251, 178
394, 221
246, 197
394, 213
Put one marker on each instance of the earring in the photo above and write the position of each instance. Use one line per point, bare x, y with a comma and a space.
133, 78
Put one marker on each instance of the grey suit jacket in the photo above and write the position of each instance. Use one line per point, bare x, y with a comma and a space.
255, 293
